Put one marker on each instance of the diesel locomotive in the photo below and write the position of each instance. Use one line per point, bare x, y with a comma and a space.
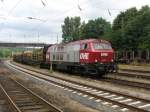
89, 56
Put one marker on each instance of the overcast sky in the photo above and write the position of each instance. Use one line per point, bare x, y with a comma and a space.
16, 27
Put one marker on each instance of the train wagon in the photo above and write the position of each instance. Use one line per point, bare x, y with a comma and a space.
45, 63
17, 57
90, 56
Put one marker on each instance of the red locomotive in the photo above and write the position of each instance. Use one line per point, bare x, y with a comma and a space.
90, 56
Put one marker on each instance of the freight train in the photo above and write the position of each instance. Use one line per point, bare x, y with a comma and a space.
89, 56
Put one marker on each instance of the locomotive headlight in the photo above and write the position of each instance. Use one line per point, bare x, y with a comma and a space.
112, 60
95, 60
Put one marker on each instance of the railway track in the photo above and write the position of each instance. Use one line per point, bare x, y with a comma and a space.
131, 70
21, 99
145, 86
4, 107
113, 99
134, 73
127, 83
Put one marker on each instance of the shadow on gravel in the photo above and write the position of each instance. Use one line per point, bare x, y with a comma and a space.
90, 76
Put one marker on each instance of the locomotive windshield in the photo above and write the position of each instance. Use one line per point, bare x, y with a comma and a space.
101, 46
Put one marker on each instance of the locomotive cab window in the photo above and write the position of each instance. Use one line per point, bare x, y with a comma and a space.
84, 46
98, 46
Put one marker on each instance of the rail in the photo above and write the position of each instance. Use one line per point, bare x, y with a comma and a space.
98, 94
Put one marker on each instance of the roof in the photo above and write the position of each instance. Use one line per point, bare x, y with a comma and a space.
80, 41
88, 40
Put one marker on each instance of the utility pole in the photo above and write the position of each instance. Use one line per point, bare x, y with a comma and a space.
38, 37
51, 67
51, 63
10, 38
57, 38
12, 53
24, 36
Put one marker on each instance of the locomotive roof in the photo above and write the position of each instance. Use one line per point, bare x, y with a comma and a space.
81, 41
88, 40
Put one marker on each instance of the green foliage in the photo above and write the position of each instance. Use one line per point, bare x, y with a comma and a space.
95, 28
74, 30
4, 53
133, 27
71, 28
7, 52
123, 18
130, 29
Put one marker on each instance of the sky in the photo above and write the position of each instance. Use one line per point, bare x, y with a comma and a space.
16, 24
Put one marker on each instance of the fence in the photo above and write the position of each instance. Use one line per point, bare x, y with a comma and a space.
128, 56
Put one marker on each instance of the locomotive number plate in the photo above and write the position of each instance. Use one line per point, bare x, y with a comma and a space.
104, 54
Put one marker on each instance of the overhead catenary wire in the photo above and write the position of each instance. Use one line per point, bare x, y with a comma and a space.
109, 12
44, 2
14, 7
79, 7
76, 6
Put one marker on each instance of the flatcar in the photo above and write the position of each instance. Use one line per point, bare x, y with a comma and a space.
90, 56
34, 57
18, 57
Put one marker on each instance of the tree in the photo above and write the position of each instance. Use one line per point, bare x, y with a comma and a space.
71, 28
138, 27
124, 17
130, 29
74, 30
95, 28
145, 41
130, 26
